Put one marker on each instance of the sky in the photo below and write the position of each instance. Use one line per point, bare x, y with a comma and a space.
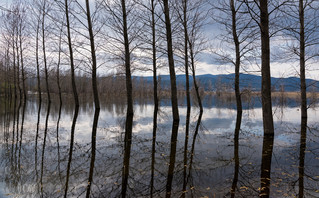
207, 63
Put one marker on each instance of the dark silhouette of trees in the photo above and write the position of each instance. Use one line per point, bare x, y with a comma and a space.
44, 11
173, 98
75, 93
95, 95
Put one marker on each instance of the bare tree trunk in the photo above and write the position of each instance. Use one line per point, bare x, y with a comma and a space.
94, 64
22, 64
237, 69
265, 69
303, 87
129, 97
185, 2
58, 68
18, 65
155, 97
44, 53
192, 54
266, 100
37, 61
96, 98
14, 69
75, 93
173, 99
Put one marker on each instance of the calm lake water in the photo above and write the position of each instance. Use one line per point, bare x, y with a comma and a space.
35, 150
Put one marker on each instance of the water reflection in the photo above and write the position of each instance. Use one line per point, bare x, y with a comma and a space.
44, 147
36, 150
302, 153
93, 150
75, 117
268, 144
236, 158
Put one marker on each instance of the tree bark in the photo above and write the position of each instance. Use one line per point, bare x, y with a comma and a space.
58, 68
188, 111
268, 124
22, 63
173, 99
37, 61
94, 64
155, 97
129, 97
44, 53
96, 97
265, 70
237, 69
75, 93
303, 88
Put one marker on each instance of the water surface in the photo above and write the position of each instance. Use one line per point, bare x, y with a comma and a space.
35, 150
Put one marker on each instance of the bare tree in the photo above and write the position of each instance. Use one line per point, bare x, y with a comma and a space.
301, 28
44, 10
95, 94
75, 93
173, 98
260, 12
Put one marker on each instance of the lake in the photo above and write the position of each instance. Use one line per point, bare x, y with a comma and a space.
35, 150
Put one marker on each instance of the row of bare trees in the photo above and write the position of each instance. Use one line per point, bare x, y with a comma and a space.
284, 19
124, 36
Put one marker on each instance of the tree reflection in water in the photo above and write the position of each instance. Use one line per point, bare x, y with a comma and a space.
268, 144
43, 147
36, 159
75, 117
302, 154
93, 150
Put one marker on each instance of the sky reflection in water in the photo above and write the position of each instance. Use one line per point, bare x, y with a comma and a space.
213, 164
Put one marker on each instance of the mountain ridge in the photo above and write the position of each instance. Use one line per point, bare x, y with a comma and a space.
225, 82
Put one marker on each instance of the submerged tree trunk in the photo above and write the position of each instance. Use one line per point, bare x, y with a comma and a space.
268, 144
43, 148
193, 145
237, 69
188, 112
93, 151
268, 124
155, 98
265, 69
302, 60
75, 116
129, 98
236, 167
302, 157
75, 94
96, 98
173, 99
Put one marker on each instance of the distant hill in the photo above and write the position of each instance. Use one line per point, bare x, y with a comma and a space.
225, 82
